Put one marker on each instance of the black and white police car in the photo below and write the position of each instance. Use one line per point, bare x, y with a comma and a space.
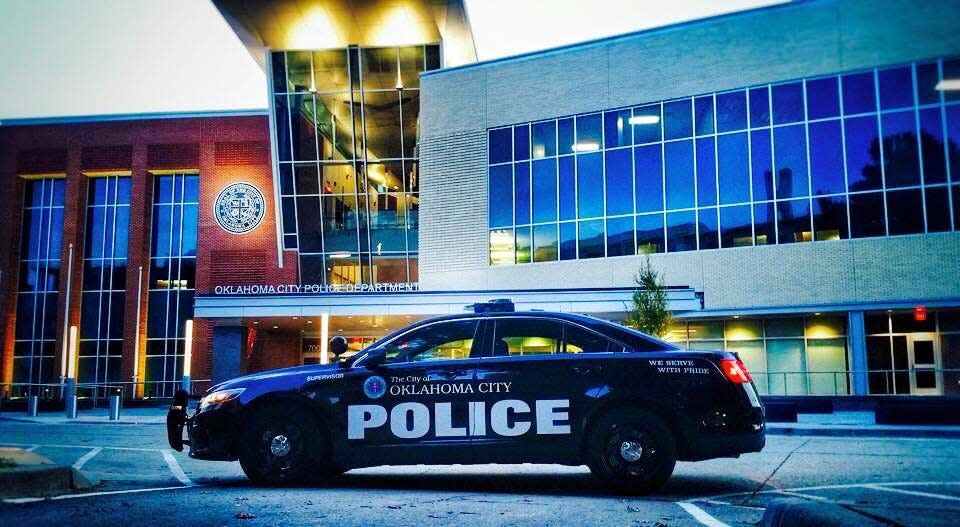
492, 386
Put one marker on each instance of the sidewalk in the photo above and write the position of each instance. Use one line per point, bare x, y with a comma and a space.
128, 416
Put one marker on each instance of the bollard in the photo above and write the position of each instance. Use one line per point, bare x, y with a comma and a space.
114, 407
71, 407
32, 403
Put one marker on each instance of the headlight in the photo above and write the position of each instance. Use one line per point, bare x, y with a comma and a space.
217, 398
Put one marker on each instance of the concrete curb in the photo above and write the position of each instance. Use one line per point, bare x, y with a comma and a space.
42, 479
866, 431
65, 421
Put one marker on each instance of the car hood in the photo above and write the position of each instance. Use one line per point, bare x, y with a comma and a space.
294, 371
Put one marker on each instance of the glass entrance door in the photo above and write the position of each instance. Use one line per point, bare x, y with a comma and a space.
924, 363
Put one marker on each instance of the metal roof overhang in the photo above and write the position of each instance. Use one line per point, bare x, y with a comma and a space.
588, 301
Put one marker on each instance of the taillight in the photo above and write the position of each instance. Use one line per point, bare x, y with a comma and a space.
735, 371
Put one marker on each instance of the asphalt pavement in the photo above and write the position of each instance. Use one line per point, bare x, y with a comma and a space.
899, 481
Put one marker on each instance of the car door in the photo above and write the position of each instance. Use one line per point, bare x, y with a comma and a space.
528, 389
414, 392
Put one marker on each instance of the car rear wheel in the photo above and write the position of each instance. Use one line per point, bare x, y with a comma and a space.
631, 451
282, 444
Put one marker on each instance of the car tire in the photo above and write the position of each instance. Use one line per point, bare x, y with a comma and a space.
632, 451
282, 444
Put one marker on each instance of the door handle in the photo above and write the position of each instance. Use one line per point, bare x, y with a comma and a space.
586, 370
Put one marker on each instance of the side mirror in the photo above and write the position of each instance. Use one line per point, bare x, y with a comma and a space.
338, 346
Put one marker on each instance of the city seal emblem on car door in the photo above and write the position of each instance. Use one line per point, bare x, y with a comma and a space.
239, 207
374, 387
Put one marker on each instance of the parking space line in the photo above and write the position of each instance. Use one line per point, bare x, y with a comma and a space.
31, 449
810, 497
175, 468
701, 515
86, 457
135, 449
914, 493
87, 495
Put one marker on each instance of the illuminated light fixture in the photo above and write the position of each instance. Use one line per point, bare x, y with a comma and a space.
736, 316
586, 147
72, 353
948, 85
187, 346
644, 119
338, 256
255, 322
276, 327
309, 322
817, 314
324, 337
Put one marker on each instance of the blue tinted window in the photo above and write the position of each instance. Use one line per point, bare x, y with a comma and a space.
732, 168
588, 130
822, 98
544, 190
707, 228
953, 139
646, 124
522, 237
501, 196
760, 162
858, 93
565, 136
521, 142
544, 139
896, 88
866, 215
735, 229
679, 174
759, 106
706, 172
928, 75
938, 209
568, 189
650, 233
677, 119
731, 111
863, 153
826, 157
763, 224
790, 150
931, 145
500, 145
648, 171
545, 243
589, 185
905, 211
619, 184
830, 218
951, 70
703, 110
568, 241
788, 103
793, 221
620, 236
681, 231
617, 129
900, 158
521, 193
590, 239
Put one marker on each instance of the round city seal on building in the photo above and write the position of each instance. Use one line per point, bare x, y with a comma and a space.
374, 387
239, 207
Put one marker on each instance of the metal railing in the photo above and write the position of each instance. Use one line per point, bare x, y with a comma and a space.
840, 382
99, 393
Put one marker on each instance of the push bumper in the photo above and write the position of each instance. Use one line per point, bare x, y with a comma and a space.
209, 434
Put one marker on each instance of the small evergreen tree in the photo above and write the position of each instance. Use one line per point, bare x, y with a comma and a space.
648, 312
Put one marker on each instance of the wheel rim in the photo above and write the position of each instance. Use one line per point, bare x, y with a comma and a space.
280, 448
630, 451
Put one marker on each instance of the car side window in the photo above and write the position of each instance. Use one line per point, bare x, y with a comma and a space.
580, 340
443, 341
514, 337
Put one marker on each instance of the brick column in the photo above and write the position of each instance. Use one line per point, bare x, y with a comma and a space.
138, 256
74, 221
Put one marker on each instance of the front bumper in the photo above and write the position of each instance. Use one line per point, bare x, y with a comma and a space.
210, 435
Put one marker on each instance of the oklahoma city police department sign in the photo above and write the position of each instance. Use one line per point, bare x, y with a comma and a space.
239, 208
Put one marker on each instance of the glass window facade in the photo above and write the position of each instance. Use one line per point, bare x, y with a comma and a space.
854, 155
104, 280
173, 268
785, 356
37, 292
346, 124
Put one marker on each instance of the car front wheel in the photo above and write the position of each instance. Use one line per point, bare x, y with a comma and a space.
632, 451
280, 445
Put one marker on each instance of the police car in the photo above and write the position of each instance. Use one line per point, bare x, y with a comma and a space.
491, 386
